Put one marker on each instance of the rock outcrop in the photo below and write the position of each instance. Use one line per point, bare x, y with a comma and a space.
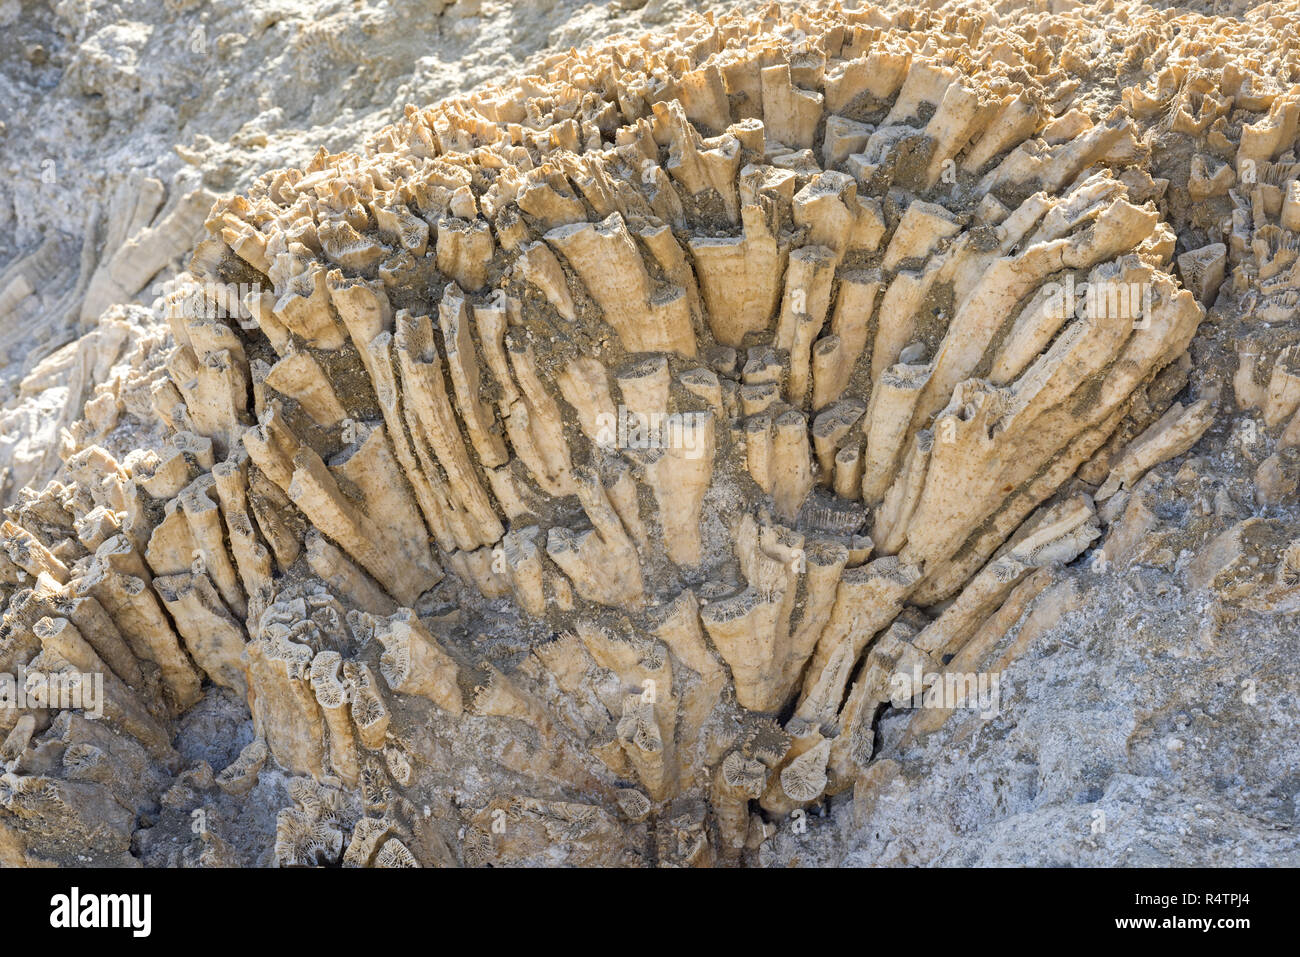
641, 421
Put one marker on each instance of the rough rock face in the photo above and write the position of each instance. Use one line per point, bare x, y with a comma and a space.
641, 461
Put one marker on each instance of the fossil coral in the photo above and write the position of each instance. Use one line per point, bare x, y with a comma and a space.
744, 366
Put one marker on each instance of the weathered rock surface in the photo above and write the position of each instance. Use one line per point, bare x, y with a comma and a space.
812, 436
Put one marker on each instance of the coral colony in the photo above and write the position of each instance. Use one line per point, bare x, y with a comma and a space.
750, 365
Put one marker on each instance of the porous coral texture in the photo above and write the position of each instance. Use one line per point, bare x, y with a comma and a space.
569, 475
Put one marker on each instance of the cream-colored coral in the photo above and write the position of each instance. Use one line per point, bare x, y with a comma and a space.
742, 377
